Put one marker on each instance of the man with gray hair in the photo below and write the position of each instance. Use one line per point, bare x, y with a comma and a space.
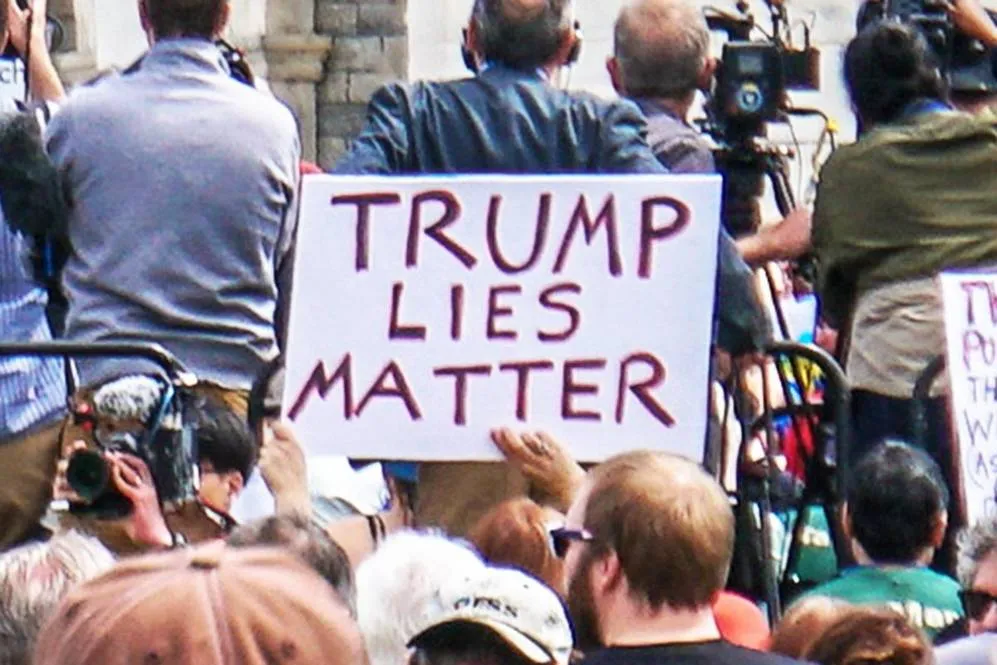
661, 57
34, 579
977, 572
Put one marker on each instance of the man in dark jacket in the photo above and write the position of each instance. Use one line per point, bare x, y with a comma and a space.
510, 118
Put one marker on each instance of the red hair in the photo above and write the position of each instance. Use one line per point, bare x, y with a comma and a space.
515, 534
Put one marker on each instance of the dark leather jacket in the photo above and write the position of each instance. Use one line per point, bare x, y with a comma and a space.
503, 121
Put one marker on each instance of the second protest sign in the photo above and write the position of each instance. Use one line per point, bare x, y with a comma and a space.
427, 311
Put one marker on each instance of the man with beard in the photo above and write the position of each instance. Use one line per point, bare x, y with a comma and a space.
647, 545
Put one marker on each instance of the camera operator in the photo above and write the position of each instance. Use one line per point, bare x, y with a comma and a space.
182, 182
913, 197
660, 60
32, 390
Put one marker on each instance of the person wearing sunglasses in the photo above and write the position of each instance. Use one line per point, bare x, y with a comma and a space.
977, 571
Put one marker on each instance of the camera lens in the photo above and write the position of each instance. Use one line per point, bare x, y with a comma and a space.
89, 474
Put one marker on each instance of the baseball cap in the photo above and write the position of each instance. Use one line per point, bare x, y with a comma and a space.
211, 605
522, 611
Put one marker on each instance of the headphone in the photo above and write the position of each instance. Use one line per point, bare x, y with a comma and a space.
471, 63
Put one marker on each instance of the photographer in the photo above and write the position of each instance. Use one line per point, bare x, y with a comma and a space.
913, 197
32, 390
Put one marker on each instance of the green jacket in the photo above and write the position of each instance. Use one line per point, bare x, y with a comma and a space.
908, 200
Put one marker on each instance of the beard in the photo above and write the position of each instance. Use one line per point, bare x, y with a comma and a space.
581, 607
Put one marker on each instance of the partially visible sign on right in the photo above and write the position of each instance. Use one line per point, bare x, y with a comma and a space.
971, 333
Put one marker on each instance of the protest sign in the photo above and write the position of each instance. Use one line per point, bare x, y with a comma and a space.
12, 81
427, 311
971, 336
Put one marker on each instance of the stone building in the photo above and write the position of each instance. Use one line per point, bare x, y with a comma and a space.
326, 57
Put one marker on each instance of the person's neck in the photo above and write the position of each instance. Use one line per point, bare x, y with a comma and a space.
680, 106
635, 625
862, 558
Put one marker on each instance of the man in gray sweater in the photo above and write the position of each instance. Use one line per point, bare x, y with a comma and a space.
183, 184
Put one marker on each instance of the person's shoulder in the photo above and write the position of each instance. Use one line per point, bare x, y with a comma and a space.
743, 656
976, 650
612, 110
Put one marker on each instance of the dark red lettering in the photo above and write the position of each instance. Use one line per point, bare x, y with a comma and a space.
642, 389
397, 388
571, 388
539, 235
968, 288
456, 311
522, 370
978, 348
607, 217
574, 315
460, 374
364, 202
649, 233
496, 312
451, 213
400, 331
319, 383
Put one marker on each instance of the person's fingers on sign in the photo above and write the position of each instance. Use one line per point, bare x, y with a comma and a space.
543, 460
284, 469
132, 478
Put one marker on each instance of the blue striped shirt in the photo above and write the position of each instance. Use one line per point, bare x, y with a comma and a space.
32, 390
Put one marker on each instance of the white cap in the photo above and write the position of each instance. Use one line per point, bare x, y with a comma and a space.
522, 611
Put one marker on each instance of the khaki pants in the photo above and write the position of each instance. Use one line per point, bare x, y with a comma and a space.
27, 469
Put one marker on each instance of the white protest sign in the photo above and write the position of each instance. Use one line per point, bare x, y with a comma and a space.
971, 336
12, 81
427, 311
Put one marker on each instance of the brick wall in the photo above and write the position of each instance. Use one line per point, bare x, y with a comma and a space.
369, 49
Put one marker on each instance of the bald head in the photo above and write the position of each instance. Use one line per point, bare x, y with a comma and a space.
521, 34
661, 48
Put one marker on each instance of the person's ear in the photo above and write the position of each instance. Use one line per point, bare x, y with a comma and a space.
235, 483
143, 16
615, 75
472, 41
705, 80
846, 522
607, 573
938, 529
567, 52
223, 19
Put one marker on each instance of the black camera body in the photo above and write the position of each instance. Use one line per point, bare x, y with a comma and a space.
753, 79
142, 416
968, 65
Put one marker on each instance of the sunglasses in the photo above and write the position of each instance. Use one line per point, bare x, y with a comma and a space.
976, 603
562, 538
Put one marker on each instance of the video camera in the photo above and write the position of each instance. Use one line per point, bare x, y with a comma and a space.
967, 63
754, 76
142, 416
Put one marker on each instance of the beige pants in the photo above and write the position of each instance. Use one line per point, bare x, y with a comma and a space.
27, 469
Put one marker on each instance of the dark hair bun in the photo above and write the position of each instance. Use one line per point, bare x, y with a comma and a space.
899, 49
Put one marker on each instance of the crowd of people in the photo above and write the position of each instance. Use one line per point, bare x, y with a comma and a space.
159, 205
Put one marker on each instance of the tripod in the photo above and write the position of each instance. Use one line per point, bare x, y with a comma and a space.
746, 166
